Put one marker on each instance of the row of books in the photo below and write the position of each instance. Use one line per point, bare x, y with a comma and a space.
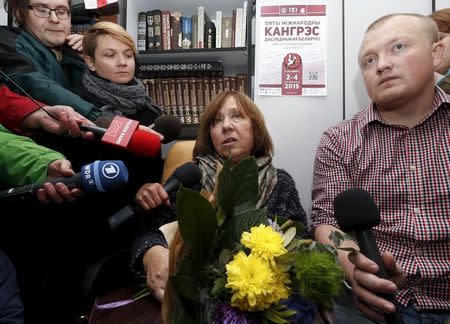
165, 30
187, 97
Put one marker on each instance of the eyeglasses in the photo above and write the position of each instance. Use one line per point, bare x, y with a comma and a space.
44, 12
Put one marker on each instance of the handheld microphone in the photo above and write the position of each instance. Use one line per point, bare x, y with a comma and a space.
168, 126
99, 176
140, 142
355, 210
187, 174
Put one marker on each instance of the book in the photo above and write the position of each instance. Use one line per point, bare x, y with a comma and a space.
244, 25
179, 101
175, 30
203, 19
238, 28
210, 35
150, 31
186, 101
186, 30
194, 31
200, 96
150, 70
227, 31
193, 100
142, 32
157, 16
165, 30
218, 24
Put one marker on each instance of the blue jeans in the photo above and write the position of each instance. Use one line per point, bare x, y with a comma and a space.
346, 312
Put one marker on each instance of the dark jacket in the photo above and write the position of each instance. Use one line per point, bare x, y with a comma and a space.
283, 201
35, 68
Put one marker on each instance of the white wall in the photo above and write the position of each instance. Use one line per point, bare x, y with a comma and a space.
3, 15
296, 123
442, 4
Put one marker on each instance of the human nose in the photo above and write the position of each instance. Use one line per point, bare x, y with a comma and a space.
53, 17
122, 60
383, 63
227, 124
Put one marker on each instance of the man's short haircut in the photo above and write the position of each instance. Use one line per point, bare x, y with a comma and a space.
442, 19
430, 29
105, 28
19, 9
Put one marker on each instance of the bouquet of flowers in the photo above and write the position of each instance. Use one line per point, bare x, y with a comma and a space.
233, 263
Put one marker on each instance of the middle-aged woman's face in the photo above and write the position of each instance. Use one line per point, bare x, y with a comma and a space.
113, 60
232, 132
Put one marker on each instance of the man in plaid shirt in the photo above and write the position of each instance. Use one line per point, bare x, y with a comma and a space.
398, 149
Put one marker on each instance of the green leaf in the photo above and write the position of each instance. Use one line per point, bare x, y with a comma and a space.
219, 286
289, 235
235, 226
238, 186
197, 223
183, 282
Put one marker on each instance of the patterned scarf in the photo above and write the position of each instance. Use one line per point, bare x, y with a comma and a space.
119, 99
267, 175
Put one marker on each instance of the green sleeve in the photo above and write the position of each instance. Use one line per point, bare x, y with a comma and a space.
22, 161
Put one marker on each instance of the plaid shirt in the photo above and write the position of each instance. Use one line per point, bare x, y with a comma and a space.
407, 172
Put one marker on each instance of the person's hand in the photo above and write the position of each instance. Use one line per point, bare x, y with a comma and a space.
150, 130
66, 123
58, 193
76, 42
366, 284
151, 195
156, 267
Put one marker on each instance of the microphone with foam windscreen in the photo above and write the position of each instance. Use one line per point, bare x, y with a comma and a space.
356, 211
168, 126
124, 133
99, 176
188, 175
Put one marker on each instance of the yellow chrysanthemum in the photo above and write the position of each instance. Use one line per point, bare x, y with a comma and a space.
281, 288
251, 281
264, 242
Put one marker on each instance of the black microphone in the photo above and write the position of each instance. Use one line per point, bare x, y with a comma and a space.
169, 126
187, 174
356, 211
99, 176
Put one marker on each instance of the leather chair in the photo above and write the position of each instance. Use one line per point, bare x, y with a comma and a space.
178, 154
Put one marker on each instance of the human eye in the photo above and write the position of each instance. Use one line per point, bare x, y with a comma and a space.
42, 10
236, 116
369, 60
217, 120
399, 47
61, 11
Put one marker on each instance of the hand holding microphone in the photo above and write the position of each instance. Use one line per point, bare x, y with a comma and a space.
153, 194
127, 134
99, 176
373, 285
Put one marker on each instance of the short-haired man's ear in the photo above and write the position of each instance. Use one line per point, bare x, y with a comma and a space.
89, 62
438, 53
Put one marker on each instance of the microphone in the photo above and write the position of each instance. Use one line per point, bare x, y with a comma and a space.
99, 176
167, 125
356, 211
137, 141
187, 174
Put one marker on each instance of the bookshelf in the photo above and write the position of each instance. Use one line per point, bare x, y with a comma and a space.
235, 60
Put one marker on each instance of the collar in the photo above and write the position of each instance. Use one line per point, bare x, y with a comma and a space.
440, 101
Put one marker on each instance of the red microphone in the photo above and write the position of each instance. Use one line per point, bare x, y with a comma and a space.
125, 134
